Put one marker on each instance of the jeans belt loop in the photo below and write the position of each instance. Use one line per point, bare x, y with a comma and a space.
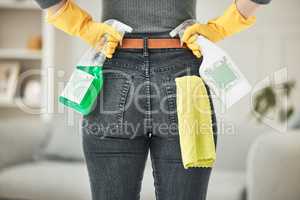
145, 50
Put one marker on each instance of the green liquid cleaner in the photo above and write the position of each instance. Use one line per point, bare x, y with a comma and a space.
82, 90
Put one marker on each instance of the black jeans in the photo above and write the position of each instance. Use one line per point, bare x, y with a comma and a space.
135, 113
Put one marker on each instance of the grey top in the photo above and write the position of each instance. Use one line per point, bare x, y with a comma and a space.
147, 15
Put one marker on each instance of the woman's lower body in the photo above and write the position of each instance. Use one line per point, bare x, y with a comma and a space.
136, 115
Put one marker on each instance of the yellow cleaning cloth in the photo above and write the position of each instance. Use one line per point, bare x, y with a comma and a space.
195, 123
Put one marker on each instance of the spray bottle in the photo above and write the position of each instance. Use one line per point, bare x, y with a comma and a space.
86, 81
217, 69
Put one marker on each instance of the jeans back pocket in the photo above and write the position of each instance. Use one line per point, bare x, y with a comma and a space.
108, 115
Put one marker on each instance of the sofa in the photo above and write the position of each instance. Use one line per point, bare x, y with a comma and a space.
44, 161
273, 169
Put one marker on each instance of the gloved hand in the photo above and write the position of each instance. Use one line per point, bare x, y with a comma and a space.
229, 23
75, 21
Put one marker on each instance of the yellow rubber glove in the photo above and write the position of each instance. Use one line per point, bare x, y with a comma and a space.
76, 22
229, 23
194, 122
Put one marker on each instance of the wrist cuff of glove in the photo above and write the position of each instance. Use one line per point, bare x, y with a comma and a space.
233, 21
75, 21
51, 16
244, 20
70, 18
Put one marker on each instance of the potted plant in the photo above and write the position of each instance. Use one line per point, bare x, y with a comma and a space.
269, 100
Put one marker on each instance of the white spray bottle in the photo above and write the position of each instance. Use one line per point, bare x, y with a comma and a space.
217, 69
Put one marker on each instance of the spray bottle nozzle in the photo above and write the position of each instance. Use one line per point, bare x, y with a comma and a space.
179, 30
121, 27
95, 56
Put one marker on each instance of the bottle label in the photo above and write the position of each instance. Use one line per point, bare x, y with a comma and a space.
77, 86
221, 74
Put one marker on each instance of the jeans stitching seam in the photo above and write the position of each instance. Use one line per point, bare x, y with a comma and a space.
123, 99
171, 104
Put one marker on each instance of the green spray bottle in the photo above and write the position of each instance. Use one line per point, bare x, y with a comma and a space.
86, 81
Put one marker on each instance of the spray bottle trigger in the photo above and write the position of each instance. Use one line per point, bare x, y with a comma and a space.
179, 30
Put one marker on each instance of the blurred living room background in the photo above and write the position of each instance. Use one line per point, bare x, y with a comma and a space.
258, 153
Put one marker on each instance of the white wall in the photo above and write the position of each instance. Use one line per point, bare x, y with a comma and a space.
273, 43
